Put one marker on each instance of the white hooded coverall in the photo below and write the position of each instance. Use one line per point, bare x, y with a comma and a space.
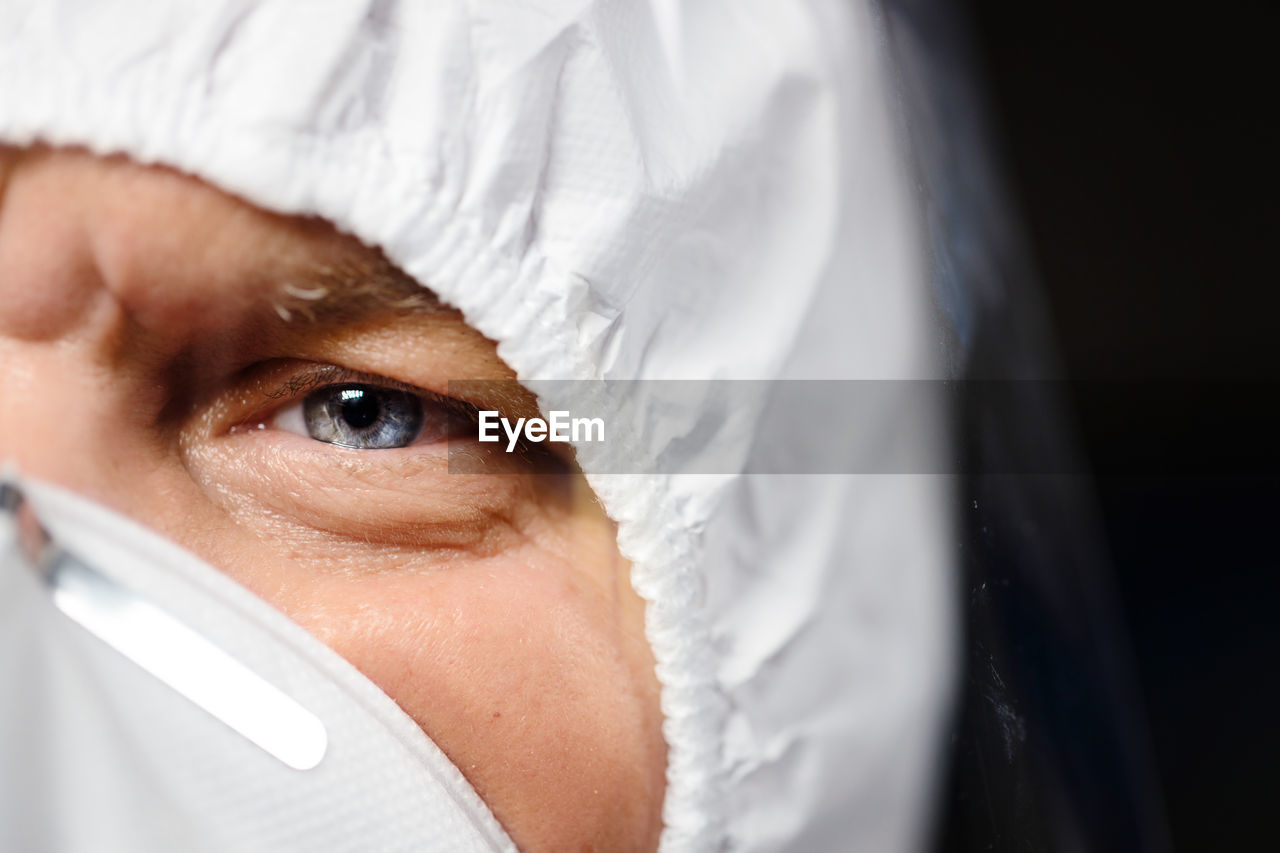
610, 190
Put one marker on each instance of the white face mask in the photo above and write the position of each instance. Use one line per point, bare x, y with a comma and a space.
150, 703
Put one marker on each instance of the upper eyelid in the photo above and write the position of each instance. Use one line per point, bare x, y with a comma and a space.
322, 375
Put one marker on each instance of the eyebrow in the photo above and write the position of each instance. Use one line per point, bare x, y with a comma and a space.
350, 286
352, 283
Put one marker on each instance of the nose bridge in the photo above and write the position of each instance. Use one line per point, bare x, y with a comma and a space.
103, 293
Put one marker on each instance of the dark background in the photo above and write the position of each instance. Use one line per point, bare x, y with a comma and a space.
1139, 148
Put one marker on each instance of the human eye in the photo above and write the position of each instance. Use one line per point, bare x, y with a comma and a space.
362, 416
360, 411
321, 449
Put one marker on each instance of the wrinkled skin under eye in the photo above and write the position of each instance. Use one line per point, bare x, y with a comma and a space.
361, 416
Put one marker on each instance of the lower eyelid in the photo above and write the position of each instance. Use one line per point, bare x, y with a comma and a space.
397, 496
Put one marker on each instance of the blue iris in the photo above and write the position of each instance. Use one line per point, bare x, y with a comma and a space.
368, 417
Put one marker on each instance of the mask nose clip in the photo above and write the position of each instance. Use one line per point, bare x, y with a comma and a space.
164, 646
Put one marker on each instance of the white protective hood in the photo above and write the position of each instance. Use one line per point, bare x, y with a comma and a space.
636, 189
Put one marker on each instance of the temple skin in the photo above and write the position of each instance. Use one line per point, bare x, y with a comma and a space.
153, 330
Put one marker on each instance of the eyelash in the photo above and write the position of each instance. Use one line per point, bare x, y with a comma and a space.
318, 376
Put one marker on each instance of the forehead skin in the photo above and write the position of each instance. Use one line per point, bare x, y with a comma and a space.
155, 233
143, 319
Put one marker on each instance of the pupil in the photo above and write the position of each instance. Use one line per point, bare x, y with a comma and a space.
359, 408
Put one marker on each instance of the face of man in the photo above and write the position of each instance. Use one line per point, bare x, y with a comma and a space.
269, 394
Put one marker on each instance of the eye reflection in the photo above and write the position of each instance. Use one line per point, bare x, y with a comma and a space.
366, 417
